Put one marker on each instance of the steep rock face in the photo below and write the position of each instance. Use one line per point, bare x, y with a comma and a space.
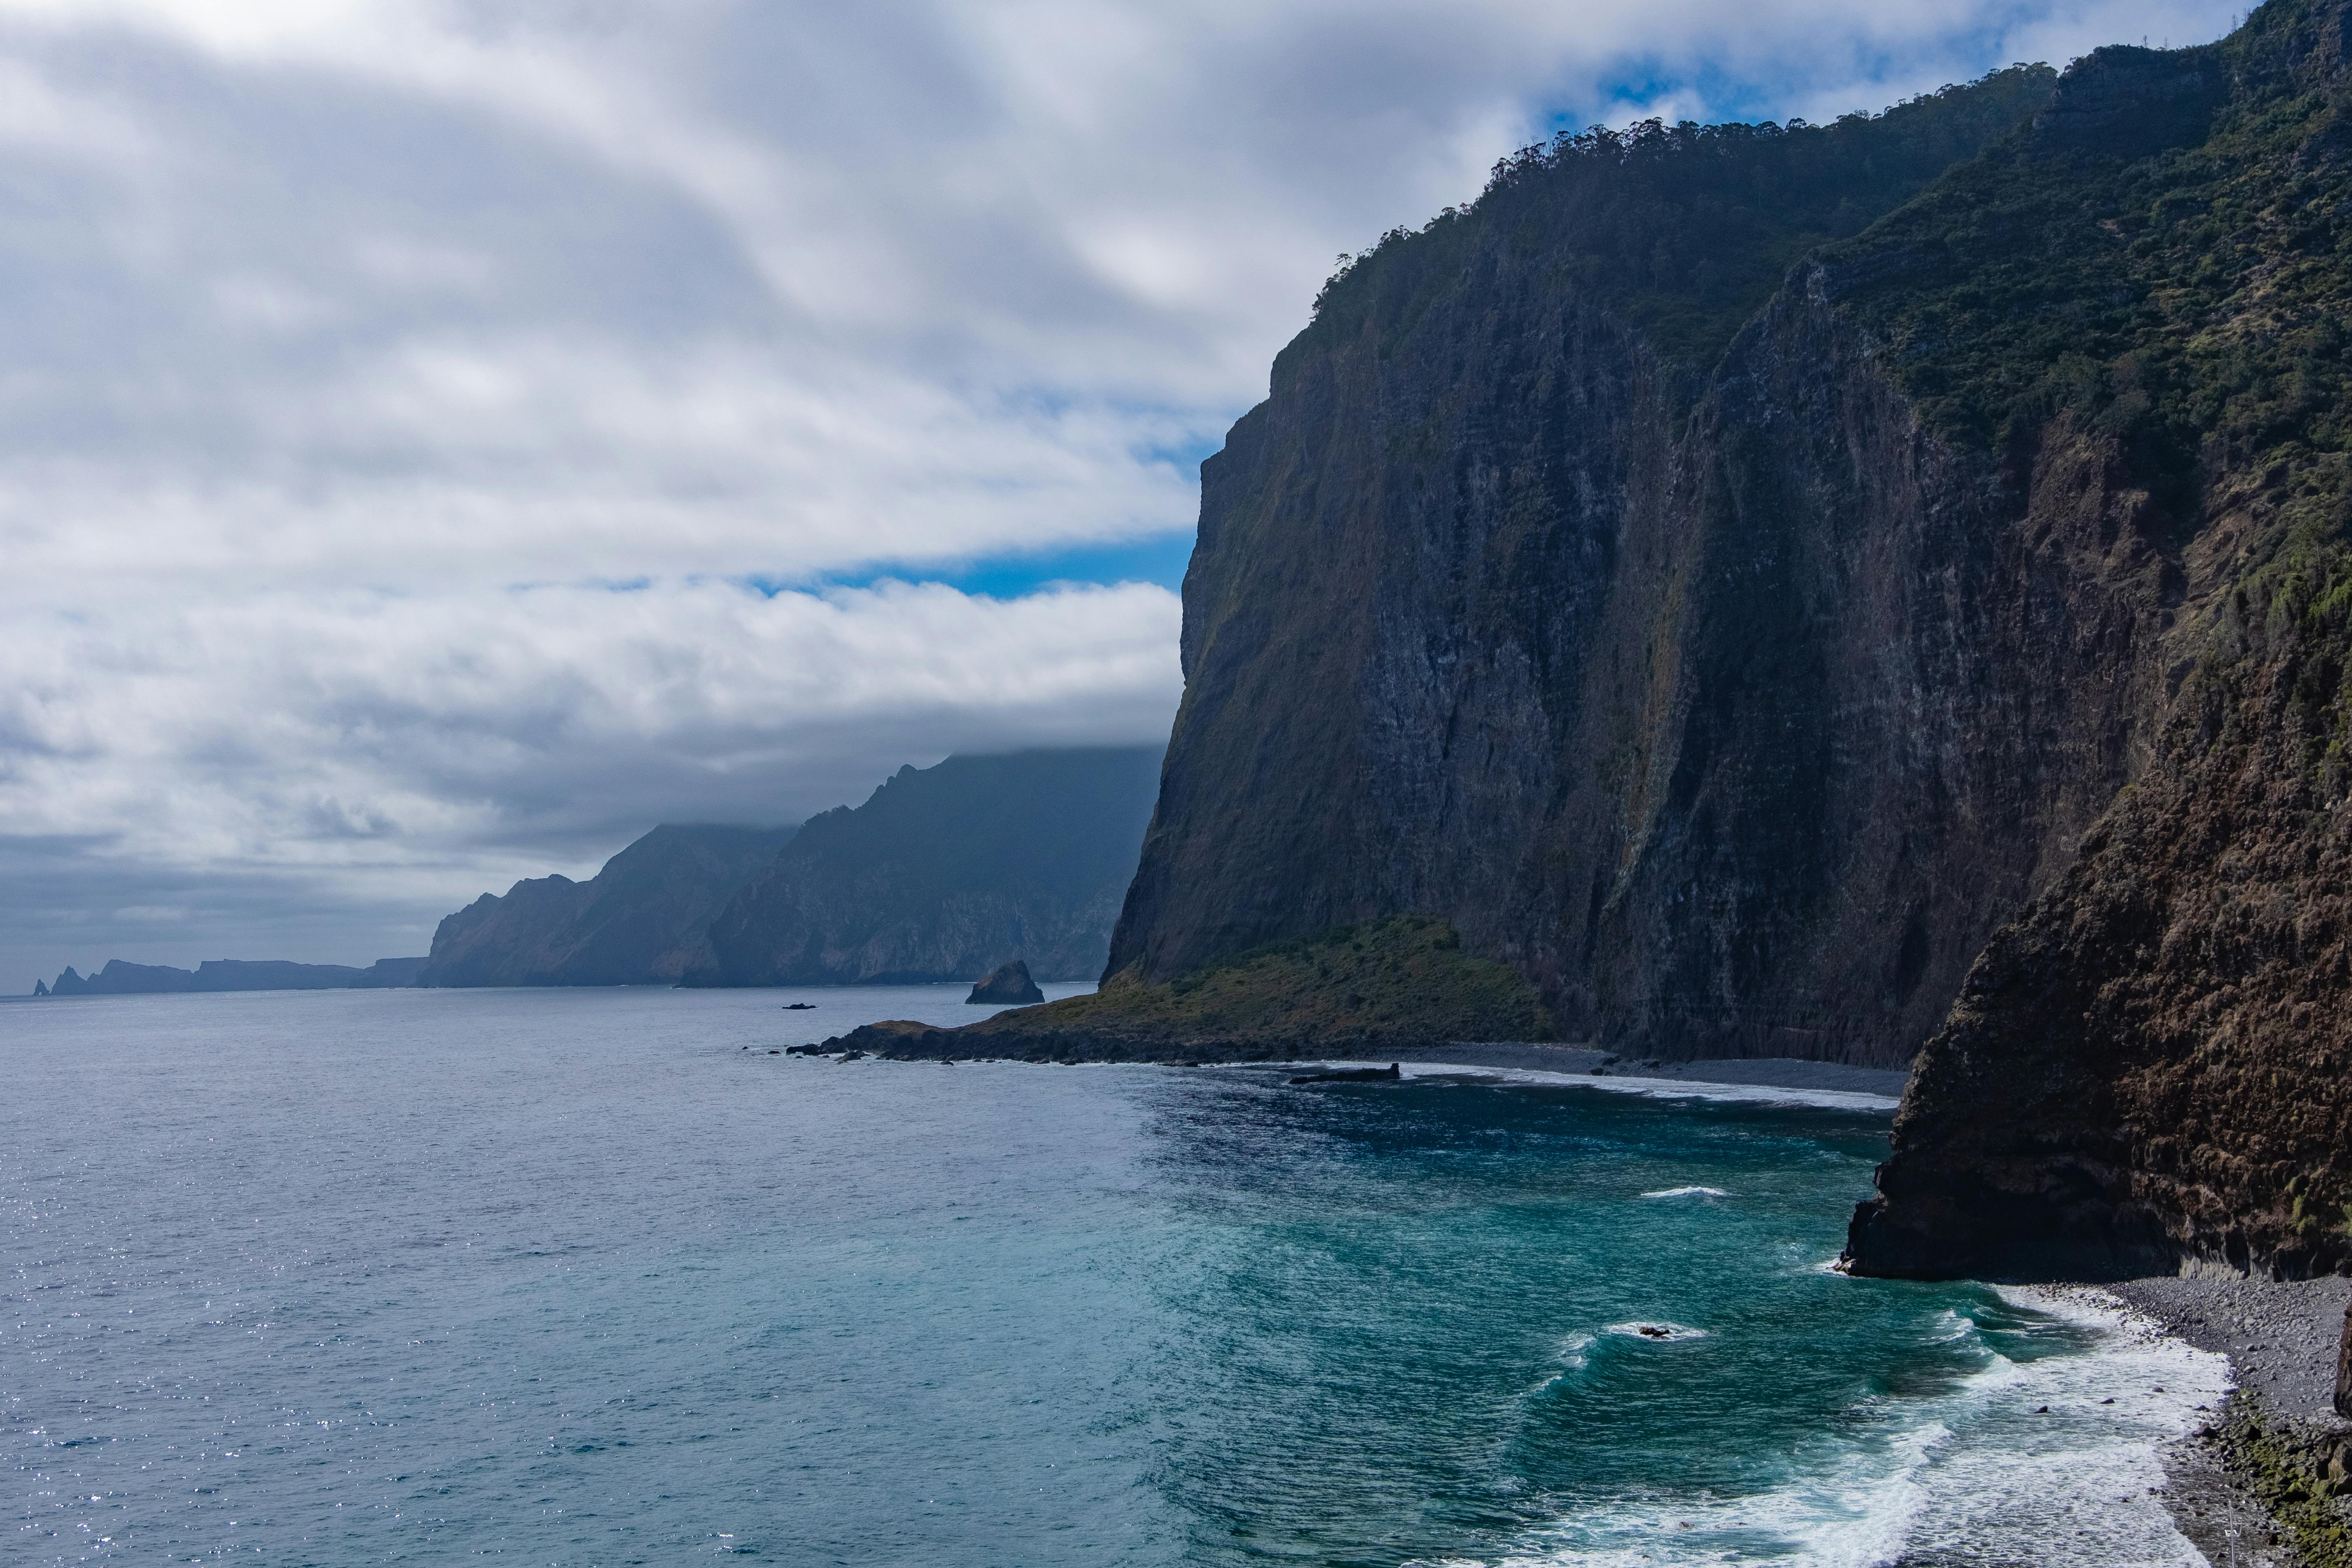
2154, 1064
1734, 708
944, 871
640, 920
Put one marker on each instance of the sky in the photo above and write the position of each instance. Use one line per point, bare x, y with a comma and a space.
439, 441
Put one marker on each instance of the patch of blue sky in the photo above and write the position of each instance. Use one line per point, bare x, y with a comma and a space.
1711, 92
1157, 558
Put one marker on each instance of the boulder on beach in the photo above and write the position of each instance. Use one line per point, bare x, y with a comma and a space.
1010, 986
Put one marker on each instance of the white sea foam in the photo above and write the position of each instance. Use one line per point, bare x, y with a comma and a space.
1658, 1088
1656, 1333
1687, 1193
2024, 1461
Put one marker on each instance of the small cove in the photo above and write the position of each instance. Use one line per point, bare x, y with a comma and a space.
590, 1277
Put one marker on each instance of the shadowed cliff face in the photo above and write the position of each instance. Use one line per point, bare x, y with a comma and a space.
946, 873
1734, 708
2156, 1062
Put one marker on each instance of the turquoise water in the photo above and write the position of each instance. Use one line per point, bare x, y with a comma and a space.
573, 1278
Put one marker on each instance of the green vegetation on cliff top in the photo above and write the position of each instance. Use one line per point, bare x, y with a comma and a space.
1388, 984
1683, 230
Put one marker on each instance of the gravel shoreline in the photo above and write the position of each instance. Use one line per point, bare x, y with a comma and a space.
2280, 1336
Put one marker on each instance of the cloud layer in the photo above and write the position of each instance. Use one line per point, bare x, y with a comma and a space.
396, 397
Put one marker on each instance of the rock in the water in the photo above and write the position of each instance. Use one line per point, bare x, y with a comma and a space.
1010, 986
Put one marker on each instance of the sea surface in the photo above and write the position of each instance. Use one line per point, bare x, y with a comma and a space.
575, 1278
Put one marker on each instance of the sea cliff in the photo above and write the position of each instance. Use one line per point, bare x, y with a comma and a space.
1677, 663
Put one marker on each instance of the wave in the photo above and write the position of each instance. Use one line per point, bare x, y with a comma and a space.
2049, 1459
1687, 1193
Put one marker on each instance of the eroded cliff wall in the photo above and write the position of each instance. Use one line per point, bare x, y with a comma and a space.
2153, 1066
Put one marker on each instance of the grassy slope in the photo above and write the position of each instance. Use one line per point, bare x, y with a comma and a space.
1384, 985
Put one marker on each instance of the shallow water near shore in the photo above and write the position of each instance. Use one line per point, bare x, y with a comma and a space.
573, 1278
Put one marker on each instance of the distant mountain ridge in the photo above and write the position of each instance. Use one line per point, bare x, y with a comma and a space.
947, 872
639, 922
944, 874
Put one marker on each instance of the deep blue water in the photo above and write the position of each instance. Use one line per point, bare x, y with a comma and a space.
573, 1278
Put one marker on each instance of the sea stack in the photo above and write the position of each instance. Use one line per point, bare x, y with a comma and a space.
1010, 986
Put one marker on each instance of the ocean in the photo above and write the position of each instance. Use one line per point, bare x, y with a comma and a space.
588, 1277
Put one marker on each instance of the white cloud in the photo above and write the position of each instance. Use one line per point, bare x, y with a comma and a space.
348, 338
432, 747
395, 730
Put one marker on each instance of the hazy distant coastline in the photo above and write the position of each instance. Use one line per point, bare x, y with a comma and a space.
943, 873
120, 978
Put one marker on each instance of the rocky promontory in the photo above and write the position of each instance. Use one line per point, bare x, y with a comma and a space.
1373, 989
120, 978
643, 920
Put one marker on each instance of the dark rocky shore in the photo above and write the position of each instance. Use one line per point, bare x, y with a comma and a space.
2265, 1483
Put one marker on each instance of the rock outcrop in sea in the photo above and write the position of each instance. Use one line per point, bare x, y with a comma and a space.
1007, 986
